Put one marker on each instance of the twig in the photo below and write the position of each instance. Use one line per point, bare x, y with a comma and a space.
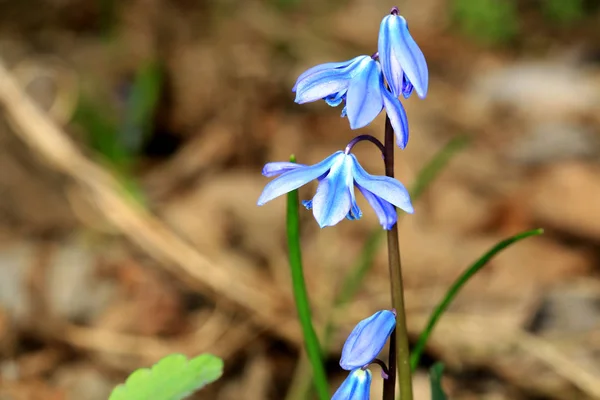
137, 224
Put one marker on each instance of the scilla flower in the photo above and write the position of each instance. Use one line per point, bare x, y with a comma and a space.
359, 82
403, 62
355, 387
367, 339
361, 348
338, 174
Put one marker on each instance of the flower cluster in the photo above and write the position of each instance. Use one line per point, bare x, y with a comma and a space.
360, 350
360, 83
366, 85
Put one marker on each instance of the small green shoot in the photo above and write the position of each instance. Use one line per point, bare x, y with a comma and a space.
435, 380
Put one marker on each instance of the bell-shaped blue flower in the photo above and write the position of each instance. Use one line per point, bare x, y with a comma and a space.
403, 62
355, 387
367, 339
335, 199
359, 82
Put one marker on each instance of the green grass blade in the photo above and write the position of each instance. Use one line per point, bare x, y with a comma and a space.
435, 380
455, 288
436, 165
313, 348
172, 378
141, 106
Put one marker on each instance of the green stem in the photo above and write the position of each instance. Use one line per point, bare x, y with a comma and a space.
455, 288
313, 349
397, 289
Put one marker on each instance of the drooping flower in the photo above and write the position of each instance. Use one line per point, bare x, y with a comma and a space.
338, 174
359, 82
367, 339
403, 62
355, 387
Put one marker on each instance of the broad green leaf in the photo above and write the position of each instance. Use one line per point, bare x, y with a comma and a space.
435, 379
172, 378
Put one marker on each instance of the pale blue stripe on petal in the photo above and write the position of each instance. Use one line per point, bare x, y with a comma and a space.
363, 100
392, 70
292, 180
398, 118
333, 199
323, 67
389, 189
385, 211
277, 168
357, 386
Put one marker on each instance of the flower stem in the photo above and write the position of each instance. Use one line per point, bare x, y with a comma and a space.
397, 290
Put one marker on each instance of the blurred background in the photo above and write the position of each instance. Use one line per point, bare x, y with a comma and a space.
131, 231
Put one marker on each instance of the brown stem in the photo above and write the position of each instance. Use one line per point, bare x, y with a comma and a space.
397, 289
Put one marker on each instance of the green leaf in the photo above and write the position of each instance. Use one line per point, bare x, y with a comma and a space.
172, 378
455, 289
435, 379
311, 341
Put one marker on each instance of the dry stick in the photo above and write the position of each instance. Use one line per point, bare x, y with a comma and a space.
136, 223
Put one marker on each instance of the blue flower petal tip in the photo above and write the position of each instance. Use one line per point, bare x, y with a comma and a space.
335, 199
357, 386
403, 63
367, 339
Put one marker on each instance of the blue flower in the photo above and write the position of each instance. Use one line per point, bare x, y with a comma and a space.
367, 339
403, 62
359, 82
355, 387
338, 174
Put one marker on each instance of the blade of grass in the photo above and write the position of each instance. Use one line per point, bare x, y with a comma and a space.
313, 348
455, 288
435, 380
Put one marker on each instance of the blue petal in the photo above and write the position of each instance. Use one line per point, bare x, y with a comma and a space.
355, 212
356, 386
333, 199
323, 67
367, 339
326, 82
385, 211
307, 204
336, 100
399, 54
407, 87
397, 115
363, 100
389, 189
292, 180
344, 111
277, 168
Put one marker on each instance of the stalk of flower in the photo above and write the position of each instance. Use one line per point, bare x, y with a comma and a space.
366, 85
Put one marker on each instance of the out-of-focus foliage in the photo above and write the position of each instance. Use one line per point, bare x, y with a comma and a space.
486, 21
563, 11
435, 379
